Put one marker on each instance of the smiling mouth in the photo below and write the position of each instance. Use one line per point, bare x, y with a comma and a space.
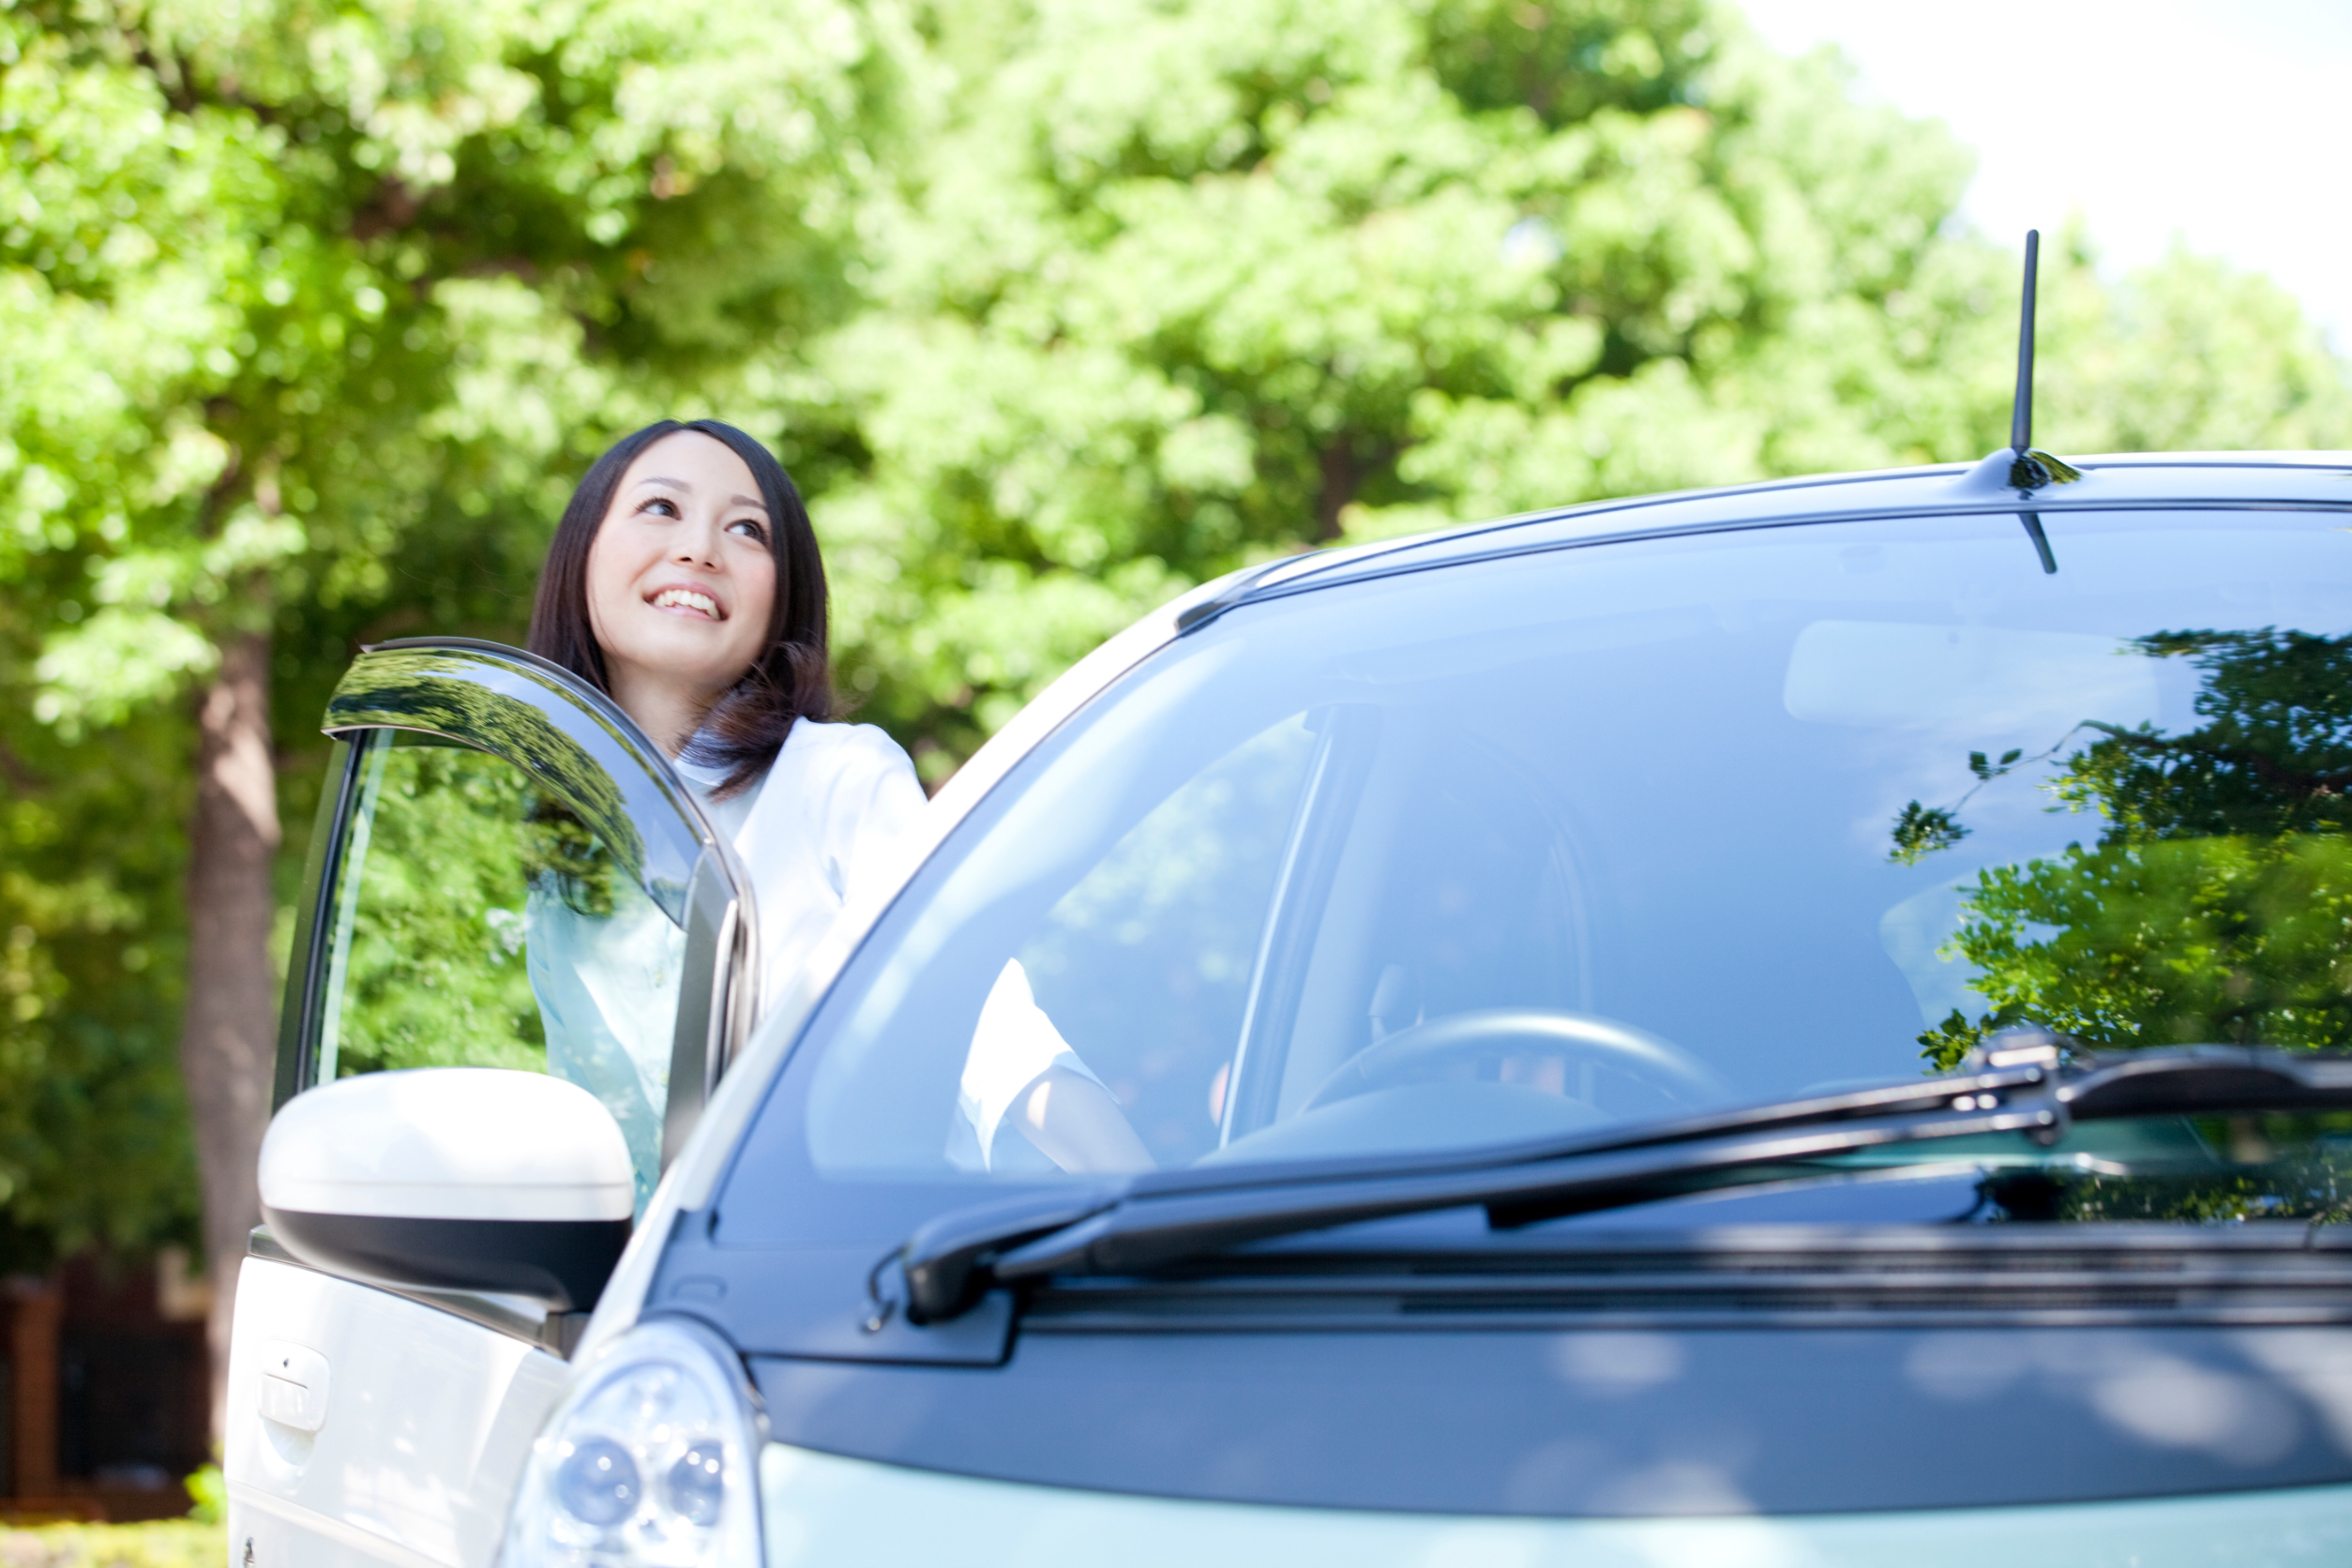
686, 599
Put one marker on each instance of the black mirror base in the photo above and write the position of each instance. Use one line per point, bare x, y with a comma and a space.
563, 1263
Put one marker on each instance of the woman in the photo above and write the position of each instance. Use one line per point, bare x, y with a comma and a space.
685, 582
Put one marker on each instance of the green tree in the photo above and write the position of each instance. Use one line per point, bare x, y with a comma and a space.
1169, 288
2216, 904
309, 314
2186, 355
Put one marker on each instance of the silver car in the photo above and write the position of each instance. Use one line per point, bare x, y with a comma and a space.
1789, 1025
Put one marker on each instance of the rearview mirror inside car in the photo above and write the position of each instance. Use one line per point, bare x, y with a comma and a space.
1994, 684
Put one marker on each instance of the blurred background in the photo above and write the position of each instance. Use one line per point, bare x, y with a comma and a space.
312, 315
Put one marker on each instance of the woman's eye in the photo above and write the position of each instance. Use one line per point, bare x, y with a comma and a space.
661, 507
749, 529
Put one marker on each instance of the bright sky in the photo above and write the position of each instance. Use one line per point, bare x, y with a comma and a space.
2229, 122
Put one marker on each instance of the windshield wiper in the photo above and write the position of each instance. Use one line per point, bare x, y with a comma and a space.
1156, 1221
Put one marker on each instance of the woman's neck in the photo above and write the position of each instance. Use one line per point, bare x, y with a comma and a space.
667, 712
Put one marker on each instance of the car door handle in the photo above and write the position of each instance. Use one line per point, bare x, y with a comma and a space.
293, 1385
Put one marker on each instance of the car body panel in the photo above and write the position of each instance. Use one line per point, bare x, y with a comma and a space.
1590, 1420
2188, 480
428, 1418
820, 1509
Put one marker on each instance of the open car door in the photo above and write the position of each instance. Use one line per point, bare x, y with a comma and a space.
506, 873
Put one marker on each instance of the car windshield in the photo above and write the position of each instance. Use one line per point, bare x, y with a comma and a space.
1538, 845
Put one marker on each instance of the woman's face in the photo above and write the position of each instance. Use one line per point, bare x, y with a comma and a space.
681, 579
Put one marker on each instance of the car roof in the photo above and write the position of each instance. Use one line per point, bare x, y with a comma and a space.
2107, 481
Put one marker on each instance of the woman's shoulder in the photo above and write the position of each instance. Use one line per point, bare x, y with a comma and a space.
836, 748
845, 787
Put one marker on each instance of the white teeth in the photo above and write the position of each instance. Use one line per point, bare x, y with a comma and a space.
686, 599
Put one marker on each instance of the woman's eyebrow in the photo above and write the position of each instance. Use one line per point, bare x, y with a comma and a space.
746, 501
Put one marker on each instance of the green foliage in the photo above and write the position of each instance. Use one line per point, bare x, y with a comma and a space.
1169, 288
1180, 287
436, 973
1943, 1046
173, 1543
93, 1138
208, 1490
2314, 1194
2188, 356
2217, 903
2241, 939
311, 316
2249, 1167
1921, 831
2274, 755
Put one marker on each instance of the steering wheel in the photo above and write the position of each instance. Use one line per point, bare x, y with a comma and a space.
1427, 1049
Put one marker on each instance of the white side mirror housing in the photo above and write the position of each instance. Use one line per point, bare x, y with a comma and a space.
453, 1179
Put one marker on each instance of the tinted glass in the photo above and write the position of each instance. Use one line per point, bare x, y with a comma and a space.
1548, 843
477, 922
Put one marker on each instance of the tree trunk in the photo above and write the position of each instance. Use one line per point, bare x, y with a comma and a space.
1344, 465
230, 1034
39, 1305
1340, 478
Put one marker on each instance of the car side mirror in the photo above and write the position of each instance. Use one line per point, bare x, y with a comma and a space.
452, 1179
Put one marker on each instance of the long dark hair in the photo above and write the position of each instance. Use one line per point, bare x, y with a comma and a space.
791, 680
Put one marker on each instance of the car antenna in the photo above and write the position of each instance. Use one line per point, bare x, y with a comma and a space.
2021, 411
2040, 540
2030, 469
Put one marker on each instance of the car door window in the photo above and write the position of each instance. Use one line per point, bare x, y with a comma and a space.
478, 922
508, 875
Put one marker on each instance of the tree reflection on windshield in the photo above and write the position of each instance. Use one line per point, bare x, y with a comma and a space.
2216, 905
2273, 1168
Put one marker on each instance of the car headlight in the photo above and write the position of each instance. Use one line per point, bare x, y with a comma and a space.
649, 1462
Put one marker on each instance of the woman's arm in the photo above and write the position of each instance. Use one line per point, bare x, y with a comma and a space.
1020, 1070
1074, 1122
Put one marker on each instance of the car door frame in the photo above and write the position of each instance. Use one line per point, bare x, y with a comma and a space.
452, 688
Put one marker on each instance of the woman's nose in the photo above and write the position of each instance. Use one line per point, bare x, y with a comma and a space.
698, 548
